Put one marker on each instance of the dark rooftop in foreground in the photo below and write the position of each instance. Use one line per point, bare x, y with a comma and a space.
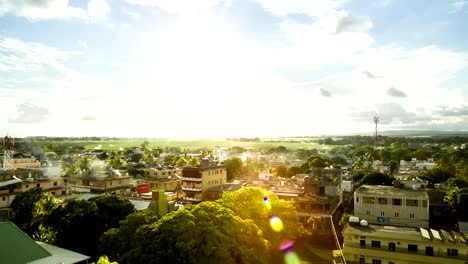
16, 247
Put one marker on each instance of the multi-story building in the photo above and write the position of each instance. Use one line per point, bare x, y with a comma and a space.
26, 163
161, 172
13, 182
165, 178
196, 180
103, 184
322, 194
167, 184
379, 244
216, 192
390, 205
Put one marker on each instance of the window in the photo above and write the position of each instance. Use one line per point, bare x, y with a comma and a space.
3, 198
429, 251
411, 216
375, 244
424, 203
383, 201
53, 193
376, 261
363, 243
396, 201
27, 186
63, 192
357, 199
412, 248
382, 213
391, 246
362, 260
452, 252
397, 214
368, 200
55, 183
411, 202
367, 212
38, 185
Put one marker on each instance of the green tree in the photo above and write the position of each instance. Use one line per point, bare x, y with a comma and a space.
24, 208
233, 168
105, 260
248, 204
79, 224
376, 178
84, 164
204, 233
118, 242
281, 171
117, 160
458, 199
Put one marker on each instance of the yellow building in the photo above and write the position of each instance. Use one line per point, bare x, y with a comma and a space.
25, 163
162, 172
168, 185
196, 180
10, 188
403, 245
391, 205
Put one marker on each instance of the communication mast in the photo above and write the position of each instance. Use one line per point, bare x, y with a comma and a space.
376, 121
8, 151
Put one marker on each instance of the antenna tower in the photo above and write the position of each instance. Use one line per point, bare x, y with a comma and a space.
8, 151
376, 122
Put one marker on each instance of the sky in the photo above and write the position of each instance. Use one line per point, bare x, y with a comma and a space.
231, 68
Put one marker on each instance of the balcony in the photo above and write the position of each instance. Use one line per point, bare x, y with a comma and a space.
192, 189
192, 179
192, 199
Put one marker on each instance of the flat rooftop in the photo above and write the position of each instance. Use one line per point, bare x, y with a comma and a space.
407, 233
389, 190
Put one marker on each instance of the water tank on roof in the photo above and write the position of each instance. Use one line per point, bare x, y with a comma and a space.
353, 220
364, 223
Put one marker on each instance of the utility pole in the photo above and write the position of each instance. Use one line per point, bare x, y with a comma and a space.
376, 122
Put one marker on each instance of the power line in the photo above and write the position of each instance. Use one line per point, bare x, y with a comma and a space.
336, 239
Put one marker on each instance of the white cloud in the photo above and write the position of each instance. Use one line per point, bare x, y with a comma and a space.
55, 9
82, 44
27, 57
98, 9
458, 5
132, 14
315, 8
181, 6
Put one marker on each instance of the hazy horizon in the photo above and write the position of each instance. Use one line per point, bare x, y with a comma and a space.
231, 68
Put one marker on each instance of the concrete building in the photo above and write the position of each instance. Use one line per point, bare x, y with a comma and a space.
403, 245
216, 192
161, 172
14, 182
390, 205
24, 163
196, 180
103, 184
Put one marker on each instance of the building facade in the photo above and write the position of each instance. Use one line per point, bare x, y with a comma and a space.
196, 180
403, 245
11, 186
103, 184
389, 205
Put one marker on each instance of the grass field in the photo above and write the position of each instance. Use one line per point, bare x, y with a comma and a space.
199, 143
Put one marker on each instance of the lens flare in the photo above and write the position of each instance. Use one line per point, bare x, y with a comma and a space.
286, 245
291, 258
276, 223
267, 203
